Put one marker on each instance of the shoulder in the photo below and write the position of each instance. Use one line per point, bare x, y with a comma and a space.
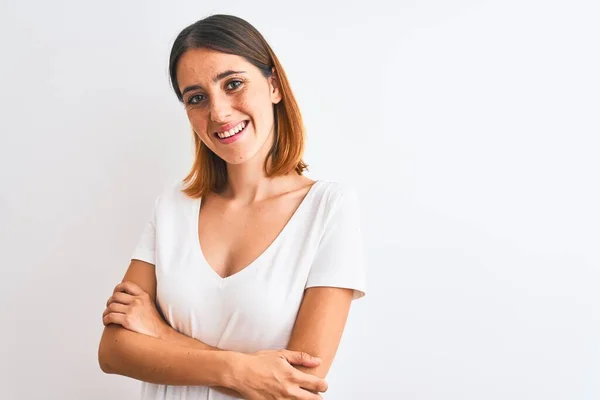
339, 196
336, 189
171, 195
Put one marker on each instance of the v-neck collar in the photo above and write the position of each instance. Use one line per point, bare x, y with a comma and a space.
222, 281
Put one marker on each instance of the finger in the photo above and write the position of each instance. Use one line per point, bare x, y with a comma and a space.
117, 308
301, 358
114, 318
302, 394
311, 382
120, 297
129, 287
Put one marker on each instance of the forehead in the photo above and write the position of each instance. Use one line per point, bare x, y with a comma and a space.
202, 65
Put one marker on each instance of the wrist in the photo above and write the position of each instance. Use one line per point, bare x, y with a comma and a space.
232, 376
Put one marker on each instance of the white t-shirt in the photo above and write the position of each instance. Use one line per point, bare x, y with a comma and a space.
254, 309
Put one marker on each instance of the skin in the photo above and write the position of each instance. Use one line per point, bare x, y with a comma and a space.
210, 104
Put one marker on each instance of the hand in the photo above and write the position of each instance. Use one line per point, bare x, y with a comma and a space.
270, 375
132, 308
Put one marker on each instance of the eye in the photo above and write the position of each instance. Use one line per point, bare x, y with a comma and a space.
195, 99
234, 84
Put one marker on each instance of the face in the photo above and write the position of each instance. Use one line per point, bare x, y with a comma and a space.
229, 103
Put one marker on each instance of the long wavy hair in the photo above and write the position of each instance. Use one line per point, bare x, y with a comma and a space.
233, 35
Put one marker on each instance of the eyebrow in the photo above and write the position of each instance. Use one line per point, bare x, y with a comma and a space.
216, 79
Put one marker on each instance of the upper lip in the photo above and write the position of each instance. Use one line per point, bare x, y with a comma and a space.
225, 128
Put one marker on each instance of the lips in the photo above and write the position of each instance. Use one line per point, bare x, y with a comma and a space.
231, 129
233, 134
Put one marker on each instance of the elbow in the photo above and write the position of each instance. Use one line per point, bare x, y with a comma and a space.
105, 365
106, 349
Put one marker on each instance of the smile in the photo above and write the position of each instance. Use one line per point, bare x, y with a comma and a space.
233, 131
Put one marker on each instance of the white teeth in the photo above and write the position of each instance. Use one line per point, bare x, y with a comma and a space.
232, 131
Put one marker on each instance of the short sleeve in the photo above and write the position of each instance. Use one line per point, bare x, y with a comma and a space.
339, 259
145, 249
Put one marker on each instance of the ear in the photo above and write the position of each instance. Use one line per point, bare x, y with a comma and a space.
274, 87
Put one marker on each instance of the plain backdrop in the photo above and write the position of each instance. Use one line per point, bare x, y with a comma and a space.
470, 128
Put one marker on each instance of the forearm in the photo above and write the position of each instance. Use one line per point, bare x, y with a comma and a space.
173, 336
307, 344
149, 359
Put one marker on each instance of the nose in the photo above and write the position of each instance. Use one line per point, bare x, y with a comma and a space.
220, 108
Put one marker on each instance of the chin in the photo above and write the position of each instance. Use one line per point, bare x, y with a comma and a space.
238, 158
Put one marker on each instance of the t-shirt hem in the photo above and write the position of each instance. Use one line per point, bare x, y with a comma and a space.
359, 290
143, 255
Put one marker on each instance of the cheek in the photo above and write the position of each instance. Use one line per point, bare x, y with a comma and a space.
256, 105
243, 103
198, 121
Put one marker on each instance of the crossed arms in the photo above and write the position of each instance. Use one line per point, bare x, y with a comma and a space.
160, 354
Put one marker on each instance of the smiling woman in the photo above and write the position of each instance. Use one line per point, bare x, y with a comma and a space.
242, 280
224, 61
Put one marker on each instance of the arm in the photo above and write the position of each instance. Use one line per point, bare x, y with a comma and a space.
337, 276
266, 374
172, 336
136, 351
153, 360
142, 274
320, 324
317, 331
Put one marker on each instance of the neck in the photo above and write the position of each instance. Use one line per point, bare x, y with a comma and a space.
247, 182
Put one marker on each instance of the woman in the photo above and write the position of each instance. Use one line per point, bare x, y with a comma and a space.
253, 266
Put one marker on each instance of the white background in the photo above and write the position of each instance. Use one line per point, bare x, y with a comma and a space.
470, 129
